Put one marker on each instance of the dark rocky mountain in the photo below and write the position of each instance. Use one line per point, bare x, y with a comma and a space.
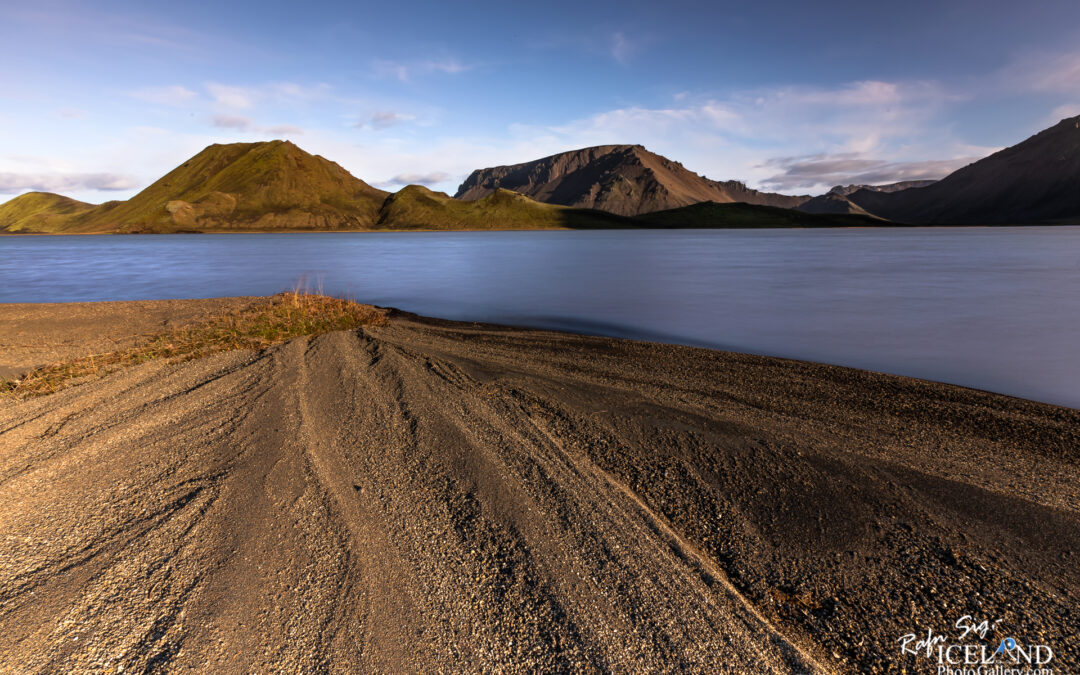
836, 200
1036, 181
846, 190
624, 179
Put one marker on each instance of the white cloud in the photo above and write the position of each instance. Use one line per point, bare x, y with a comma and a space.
384, 119
174, 95
232, 97
1063, 111
426, 179
734, 136
15, 183
240, 123
621, 48
406, 71
853, 169
72, 113
1054, 73
231, 122
283, 130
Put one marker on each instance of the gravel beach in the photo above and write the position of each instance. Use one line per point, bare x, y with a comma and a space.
436, 496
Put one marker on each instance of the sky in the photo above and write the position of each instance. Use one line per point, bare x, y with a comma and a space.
99, 99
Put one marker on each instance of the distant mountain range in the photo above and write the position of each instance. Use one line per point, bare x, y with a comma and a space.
276, 186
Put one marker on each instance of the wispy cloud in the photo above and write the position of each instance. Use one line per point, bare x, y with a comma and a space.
1053, 73
232, 97
68, 20
847, 169
729, 137
175, 95
13, 183
283, 130
407, 71
231, 122
241, 123
246, 97
384, 119
72, 113
621, 47
426, 179
1064, 111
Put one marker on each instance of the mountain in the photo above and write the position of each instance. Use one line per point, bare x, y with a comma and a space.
831, 202
836, 200
39, 212
416, 207
252, 186
624, 179
740, 215
276, 186
846, 190
1036, 181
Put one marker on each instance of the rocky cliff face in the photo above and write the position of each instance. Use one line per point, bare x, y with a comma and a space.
624, 179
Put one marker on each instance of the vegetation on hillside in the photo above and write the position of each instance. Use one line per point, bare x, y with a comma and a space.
241, 186
39, 212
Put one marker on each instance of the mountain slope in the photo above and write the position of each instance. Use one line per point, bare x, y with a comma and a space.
39, 212
416, 207
1036, 181
624, 179
253, 186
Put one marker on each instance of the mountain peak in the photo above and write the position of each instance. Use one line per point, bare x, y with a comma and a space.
627, 180
264, 185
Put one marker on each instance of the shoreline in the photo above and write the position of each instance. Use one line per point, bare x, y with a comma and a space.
486, 494
64, 341
886, 225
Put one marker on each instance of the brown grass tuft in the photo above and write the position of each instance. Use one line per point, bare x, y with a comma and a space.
287, 316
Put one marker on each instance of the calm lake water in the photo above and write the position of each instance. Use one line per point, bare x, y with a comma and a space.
991, 308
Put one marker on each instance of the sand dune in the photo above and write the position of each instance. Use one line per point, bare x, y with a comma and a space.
427, 496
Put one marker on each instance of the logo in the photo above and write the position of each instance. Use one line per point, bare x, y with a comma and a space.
979, 648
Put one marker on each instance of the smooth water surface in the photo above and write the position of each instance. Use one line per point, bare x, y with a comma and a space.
992, 308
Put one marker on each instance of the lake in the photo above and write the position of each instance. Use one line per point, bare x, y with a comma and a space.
991, 308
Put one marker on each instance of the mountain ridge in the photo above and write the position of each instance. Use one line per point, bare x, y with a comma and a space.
627, 180
1035, 181
276, 186
270, 185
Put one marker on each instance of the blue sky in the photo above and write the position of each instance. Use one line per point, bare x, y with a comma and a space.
98, 99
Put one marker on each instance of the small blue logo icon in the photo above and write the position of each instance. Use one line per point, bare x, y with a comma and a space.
1007, 644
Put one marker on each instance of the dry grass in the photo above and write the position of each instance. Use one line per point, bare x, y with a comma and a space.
287, 316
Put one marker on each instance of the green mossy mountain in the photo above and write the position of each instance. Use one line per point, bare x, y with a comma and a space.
241, 186
39, 212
